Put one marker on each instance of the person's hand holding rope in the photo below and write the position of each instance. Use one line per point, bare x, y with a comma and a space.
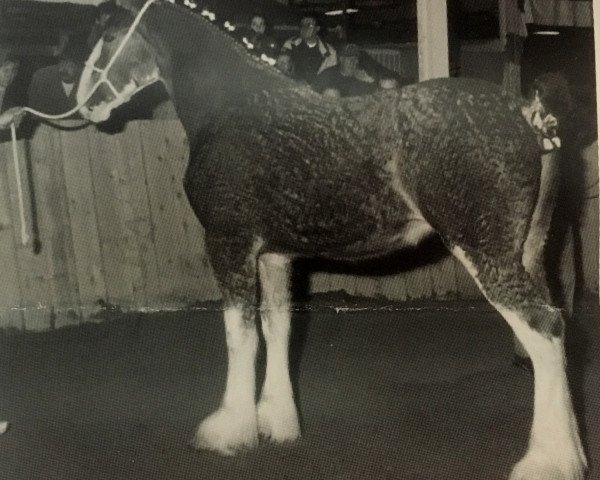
12, 115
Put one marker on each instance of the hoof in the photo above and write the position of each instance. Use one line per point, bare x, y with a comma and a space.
277, 423
3, 427
227, 432
548, 467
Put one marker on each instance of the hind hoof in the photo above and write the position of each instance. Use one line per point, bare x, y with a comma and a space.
546, 467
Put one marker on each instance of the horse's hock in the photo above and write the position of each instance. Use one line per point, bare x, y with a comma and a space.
116, 230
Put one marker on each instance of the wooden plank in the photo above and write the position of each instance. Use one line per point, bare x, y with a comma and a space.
443, 278
104, 155
418, 283
319, 282
146, 286
11, 315
393, 287
193, 259
465, 285
84, 226
366, 286
54, 216
179, 255
36, 281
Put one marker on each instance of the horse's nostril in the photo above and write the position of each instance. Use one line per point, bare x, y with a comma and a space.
85, 112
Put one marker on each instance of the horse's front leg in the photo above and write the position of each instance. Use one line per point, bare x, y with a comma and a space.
233, 426
277, 416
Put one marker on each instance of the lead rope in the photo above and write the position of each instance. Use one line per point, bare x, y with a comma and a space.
13, 134
103, 79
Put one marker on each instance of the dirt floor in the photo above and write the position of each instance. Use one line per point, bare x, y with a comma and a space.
404, 391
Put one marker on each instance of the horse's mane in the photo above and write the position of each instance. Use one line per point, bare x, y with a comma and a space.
181, 27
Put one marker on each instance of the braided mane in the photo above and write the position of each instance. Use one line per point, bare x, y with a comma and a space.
198, 26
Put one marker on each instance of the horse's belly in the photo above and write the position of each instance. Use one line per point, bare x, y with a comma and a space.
408, 235
349, 234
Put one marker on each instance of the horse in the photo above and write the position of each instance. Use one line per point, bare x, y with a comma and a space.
277, 172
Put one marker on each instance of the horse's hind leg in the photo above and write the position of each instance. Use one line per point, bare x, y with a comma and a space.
555, 451
233, 426
277, 416
534, 247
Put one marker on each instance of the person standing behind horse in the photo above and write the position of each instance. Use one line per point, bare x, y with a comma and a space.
309, 54
12, 92
259, 36
346, 79
53, 88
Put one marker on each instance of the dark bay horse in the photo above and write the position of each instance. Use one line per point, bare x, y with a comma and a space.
278, 171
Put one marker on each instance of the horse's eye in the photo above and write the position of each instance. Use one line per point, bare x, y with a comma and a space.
108, 37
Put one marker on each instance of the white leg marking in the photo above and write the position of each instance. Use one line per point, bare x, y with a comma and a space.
555, 451
277, 416
233, 426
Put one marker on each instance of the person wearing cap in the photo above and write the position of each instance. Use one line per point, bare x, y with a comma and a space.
309, 54
53, 89
346, 78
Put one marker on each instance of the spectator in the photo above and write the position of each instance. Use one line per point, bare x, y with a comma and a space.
346, 78
53, 89
12, 90
260, 37
309, 54
9, 68
285, 64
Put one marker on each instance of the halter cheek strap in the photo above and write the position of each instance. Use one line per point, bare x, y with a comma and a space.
104, 71
104, 79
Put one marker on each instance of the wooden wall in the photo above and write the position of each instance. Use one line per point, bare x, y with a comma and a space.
116, 231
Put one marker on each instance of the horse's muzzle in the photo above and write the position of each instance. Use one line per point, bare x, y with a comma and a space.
94, 115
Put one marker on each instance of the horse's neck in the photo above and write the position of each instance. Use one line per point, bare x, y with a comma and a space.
210, 71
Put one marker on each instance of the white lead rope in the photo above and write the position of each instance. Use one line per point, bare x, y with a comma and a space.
103, 79
24, 235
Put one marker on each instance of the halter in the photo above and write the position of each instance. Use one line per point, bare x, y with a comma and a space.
104, 71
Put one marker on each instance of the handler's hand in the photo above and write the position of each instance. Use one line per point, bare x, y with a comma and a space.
14, 114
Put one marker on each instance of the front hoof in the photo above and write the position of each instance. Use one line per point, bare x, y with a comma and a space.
548, 467
278, 423
227, 432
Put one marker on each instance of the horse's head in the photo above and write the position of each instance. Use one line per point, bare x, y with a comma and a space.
124, 61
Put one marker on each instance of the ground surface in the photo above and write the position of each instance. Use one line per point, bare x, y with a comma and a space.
425, 391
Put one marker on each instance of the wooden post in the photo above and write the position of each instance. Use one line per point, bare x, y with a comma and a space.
432, 25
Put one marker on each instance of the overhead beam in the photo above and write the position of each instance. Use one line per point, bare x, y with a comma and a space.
432, 25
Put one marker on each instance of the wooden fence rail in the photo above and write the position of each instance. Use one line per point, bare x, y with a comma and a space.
116, 230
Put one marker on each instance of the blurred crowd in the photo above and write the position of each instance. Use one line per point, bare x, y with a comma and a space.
327, 63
